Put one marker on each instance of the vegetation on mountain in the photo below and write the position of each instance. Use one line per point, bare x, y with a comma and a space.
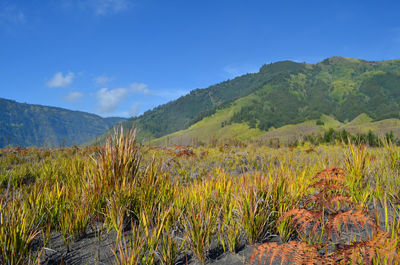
247, 107
332, 136
24, 124
285, 93
341, 87
199, 103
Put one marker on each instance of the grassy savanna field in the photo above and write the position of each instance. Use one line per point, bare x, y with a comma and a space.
170, 204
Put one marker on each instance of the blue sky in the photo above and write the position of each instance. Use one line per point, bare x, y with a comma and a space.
123, 57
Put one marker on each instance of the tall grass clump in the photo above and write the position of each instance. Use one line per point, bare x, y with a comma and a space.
17, 231
131, 250
200, 217
357, 166
392, 155
256, 207
117, 162
200, 224
168, 202
229, 227
114, 170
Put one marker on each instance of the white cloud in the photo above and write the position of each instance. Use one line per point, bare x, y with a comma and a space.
102, 79
11, 14
108, 100
134, 111
98, 7
73, 96
139, 88
59, 80
105, 7
172, 94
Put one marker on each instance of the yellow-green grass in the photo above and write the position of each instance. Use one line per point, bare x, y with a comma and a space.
359, 120
176, 204
210, 128
290, 133
330, 122
361, 124
378, 127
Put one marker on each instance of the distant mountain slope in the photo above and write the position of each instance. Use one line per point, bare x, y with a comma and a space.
199, 103
209, 129
284, 93
341, 87
24, 124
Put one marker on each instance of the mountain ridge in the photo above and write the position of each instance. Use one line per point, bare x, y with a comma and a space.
181, 113
247, 106
283, 93
23, 124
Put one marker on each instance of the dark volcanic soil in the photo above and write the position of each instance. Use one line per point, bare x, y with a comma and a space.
90, 250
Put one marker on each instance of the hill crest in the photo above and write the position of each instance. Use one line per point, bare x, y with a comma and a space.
284, 93
23, 124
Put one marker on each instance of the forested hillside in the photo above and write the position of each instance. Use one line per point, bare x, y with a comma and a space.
35, 125
286, 93
199, 103
341, 87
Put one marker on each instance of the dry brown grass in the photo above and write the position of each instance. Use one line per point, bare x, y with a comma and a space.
318, 218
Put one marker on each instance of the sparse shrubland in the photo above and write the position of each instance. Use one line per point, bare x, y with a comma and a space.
167, 204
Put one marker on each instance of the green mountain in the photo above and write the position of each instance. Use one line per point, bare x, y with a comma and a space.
200, 103
24, 124
280, 94
341, 87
